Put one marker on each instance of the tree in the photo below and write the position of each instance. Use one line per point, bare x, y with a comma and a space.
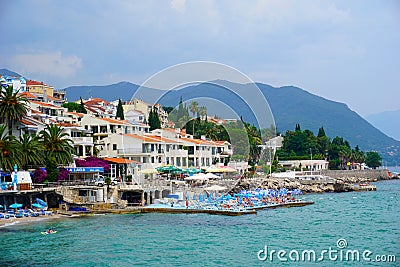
120, 110
373, 159
321, 132
154, 120
81, 108
194, 108
9, 153
56, 144
71, 106
31, 150
168, 109
13, 107
203, 112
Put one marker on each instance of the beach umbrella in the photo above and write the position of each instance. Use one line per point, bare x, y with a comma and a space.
148, 171
215, 188
41, 202
192, 170
210, 175
38, 206
15, 206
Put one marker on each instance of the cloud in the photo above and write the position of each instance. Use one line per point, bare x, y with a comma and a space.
47, 63
178, 5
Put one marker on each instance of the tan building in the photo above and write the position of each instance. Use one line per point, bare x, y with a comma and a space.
41, 88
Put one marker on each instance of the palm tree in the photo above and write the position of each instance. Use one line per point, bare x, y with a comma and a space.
203, 112
9, 153
13, 107
56, 144
31, 150
194, 108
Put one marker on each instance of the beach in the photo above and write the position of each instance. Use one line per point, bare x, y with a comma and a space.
27, 220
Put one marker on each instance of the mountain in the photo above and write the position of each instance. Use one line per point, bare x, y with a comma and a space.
387, 122
289, 105
6, 72
123, 90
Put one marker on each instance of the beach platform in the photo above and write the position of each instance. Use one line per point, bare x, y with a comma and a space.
290, 204
189, 210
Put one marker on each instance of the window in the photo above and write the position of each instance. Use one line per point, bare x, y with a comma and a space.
114, 146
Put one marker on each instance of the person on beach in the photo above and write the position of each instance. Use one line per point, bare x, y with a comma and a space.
187, 203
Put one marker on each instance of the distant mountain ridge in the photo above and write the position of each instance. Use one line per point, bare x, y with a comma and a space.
6, 72
387, 122
289, 105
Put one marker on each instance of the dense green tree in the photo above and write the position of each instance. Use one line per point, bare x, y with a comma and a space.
57, 145
81, 108
120, 110
71, 106
9, 152
373, 159
13, 107
168, 109
154, 120
51, 168
31, 150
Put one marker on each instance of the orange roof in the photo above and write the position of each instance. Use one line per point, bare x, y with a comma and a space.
76, 113
121, 160
95, 101
53, 98
46, 104
113, 121
152, 138
28, 95
67, 124
220, 143
198, 141
32, 82
27, 122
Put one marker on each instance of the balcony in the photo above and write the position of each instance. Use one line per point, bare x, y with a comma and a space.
82, 140
131, 151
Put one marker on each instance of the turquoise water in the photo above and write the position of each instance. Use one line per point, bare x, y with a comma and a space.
367, 220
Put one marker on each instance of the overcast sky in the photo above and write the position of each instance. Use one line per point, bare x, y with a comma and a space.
347, 51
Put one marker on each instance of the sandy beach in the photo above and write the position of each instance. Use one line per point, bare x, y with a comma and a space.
27, 220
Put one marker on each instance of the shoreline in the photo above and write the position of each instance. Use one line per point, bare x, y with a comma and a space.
12, 221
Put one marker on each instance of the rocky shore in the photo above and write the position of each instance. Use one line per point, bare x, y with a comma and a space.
344, 181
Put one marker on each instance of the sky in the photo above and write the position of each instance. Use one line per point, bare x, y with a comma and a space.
346, 51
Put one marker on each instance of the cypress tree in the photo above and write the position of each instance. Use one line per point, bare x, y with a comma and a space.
321, 132
120, 110
82, 108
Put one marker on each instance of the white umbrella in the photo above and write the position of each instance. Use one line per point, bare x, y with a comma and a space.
148, 171
215, 188
211, 176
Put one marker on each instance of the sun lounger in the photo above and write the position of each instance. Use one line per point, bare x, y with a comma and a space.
33, 213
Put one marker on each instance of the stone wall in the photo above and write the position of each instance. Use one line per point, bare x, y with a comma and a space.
369, 175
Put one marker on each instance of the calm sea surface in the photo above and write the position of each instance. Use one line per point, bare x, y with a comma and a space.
366, 220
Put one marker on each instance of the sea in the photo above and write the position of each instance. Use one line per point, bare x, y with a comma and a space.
340, 229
